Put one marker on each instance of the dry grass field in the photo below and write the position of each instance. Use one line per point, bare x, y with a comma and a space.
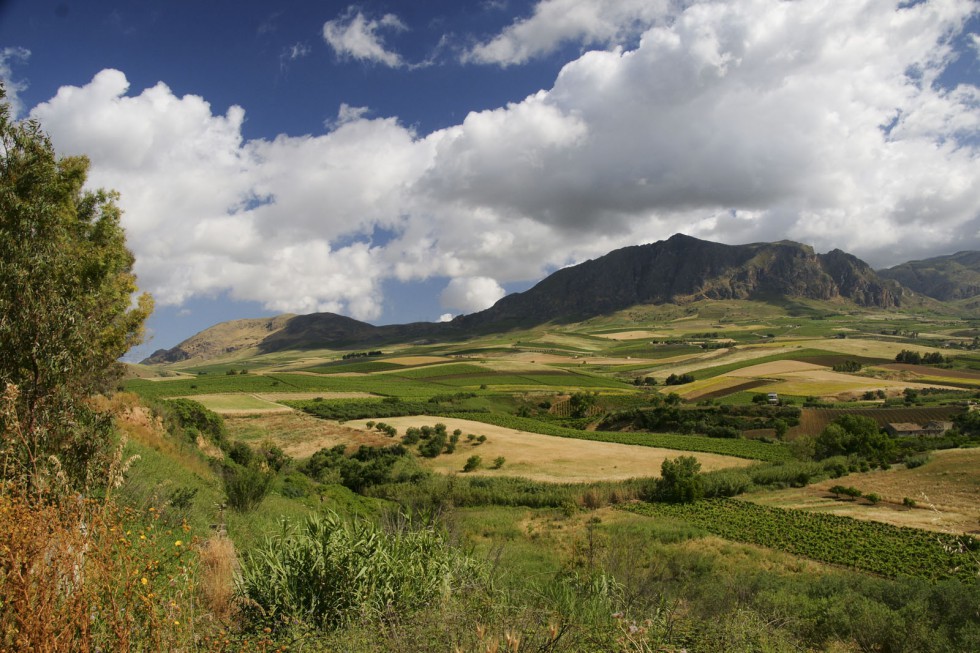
548, 458
946, 490
409, 361
298, 434
634, 335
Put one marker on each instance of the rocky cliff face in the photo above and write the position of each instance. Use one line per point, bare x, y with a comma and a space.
683, 269
946, 278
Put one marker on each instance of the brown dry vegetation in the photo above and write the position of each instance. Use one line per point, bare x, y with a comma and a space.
216, 581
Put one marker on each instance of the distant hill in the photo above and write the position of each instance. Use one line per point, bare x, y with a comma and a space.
678, 270
946, 278
683, 269
221, 339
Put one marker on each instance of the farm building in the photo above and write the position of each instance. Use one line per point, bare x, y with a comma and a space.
909, 429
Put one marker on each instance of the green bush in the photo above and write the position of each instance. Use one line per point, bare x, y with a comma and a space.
194, 417
680, 481
472, 463
330, 572
245, 487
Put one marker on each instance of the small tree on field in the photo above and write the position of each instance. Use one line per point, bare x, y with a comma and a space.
680, 480
472, 463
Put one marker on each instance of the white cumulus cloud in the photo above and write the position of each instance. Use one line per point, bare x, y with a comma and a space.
471, 294
555, 22
354, 35
12, 86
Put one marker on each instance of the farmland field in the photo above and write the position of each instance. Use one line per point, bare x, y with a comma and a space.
814, 420
548, 458
946, 490
869, 546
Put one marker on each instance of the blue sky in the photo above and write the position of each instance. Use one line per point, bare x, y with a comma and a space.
399, 162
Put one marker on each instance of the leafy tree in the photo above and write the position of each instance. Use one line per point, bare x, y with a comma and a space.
472, 463
66, 310
680, 480
582, 402
854, 434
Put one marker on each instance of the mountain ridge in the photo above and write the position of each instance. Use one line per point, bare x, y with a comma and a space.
945, 278
678, 270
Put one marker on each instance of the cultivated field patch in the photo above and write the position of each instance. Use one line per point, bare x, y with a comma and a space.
548, 458
814, 420
298, 434
946, 491
418, 360
633, 335
234, 403
777, 368
726, 387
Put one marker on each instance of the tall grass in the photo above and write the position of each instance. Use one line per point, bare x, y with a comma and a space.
330, 571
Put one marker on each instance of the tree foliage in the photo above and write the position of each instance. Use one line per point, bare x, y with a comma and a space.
855, 434
680, 480
66, 308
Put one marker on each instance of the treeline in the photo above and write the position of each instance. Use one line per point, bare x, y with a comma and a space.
361, 354
910, 357
349, 409
715, 421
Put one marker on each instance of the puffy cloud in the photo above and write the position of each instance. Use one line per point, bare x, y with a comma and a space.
471, 294
554, 22
738, 122
206, 212
355, 36
8, 57
820, 125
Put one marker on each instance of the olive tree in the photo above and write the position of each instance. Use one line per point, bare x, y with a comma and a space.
67, 309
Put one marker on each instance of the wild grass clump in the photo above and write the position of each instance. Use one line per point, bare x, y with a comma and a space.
330, 571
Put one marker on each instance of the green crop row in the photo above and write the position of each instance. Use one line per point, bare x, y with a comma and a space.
869, 546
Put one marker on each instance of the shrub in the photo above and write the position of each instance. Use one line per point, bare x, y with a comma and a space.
116, 584
472, 463
330, 572
918, 460
498, 462
726, 483
189, 414
245, 487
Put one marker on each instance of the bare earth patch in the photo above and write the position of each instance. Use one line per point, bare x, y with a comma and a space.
946, 489
548, 458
